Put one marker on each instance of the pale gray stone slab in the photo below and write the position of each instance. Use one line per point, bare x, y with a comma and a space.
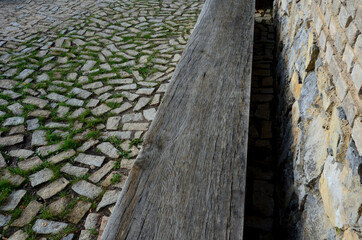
142, 102
100, 110
127, 163
62, 156
88, 65
8, 84
46, 150
92, 221
24, 74
122, 108
130, 96
68, 237
87, 189
108, 198
56, 125
13, 121
90, 159
41, 103
30, 163
98, 175
53, 188
88, 144
32, 124
93, 85
85, 235
13, 200
21, 153
41, 177
38, 138
16, 108
4, 220
150, 114
108, 149
75, 102
113, 123
42, 78
56, 97
74, 170
135, 126
11, 140
132, 117
81, 93
117, 134
42, 226
2, 161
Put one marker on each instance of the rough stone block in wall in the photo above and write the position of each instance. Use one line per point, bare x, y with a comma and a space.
357, 134
340, 42
348, 57
341, 86
358, 48
328, 181
327, 16
344, 17
329, 52
358, 18
336, 6
349, 108
351, 6
352, 33
357, 77
322, 41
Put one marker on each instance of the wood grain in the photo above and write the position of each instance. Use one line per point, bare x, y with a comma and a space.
189, 180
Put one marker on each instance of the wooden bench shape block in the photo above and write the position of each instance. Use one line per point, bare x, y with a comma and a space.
189, 180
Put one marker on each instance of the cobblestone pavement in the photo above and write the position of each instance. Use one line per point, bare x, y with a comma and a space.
80, 83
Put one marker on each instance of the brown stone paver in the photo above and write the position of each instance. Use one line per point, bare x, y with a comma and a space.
80, 83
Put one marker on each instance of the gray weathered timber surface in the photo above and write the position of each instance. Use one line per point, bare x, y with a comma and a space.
189, 180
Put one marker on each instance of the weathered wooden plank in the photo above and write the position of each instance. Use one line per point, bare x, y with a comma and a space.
189, 180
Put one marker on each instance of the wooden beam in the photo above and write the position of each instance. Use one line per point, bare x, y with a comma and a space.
189, 180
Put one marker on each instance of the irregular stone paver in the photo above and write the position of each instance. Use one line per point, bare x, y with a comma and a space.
46, 227
75, 75
108, 149
109, 198
46, 150
38, 138
62, 156
28, 214
53, 188
19, 235
59, 205
74, 170
78, 211
13, 179
30, 163
87, 189
41, 177
4, 220
92, 221
2, 161
11, 140
90, 159
13, 200
98, 175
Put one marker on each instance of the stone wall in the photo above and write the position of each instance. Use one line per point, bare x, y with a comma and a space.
319, 74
